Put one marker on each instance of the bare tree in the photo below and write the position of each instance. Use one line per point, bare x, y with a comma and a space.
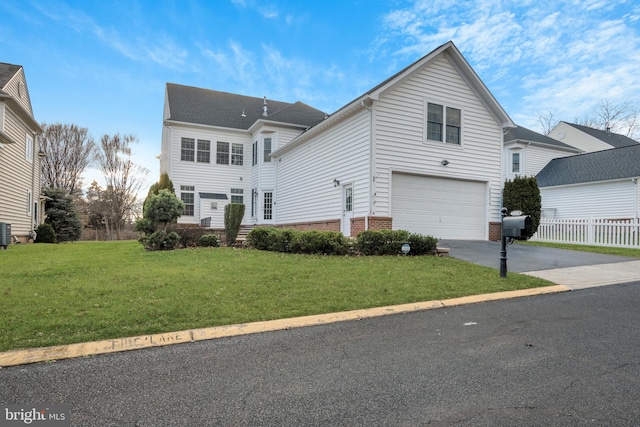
123, 178
619, 118
68, 151
546, 122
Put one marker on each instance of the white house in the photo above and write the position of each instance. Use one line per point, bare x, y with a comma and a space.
589, 139
421, 151
21, 204
527, 152
599, 184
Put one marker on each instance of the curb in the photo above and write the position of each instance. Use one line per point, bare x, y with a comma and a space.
47, 354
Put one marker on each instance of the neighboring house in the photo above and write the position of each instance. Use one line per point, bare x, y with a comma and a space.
588, 139
527, 152
21, 203
599, 184
422, 151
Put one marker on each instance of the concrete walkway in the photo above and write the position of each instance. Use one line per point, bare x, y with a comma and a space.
574, 269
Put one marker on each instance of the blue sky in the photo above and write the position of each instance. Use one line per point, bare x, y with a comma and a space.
104, 64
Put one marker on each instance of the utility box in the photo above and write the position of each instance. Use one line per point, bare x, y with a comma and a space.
516, 226
5, 235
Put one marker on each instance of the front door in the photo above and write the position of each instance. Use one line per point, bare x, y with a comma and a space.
347, 209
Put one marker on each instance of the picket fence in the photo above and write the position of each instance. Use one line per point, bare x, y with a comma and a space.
623, 233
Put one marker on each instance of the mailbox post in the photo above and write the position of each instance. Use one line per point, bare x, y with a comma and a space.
512, 226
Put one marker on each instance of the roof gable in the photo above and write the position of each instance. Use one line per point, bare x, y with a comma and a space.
613, 139
522, 134
606, 165
7, 71
213, 108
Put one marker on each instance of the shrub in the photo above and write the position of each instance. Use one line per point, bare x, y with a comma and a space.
389, 242
209, 240
160, 240
523, 194
320, 242
233, 214
381, 242
261, 238
301, 242
45, 234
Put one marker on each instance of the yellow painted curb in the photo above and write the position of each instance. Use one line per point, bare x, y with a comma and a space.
21, 357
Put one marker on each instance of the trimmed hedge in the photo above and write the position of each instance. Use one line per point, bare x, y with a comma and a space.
382, 242
300, 242
389, 242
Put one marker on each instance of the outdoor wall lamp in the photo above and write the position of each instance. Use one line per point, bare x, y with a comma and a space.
445, 162
336, 182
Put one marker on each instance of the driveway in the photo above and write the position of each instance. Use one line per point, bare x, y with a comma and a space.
563, 267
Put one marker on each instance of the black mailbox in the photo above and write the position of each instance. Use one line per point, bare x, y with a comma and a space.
516, 226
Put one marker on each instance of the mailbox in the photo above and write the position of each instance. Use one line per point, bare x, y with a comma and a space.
516, 226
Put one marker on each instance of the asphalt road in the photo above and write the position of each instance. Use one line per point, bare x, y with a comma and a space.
568, 359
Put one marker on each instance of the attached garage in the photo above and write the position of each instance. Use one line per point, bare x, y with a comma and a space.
439, 207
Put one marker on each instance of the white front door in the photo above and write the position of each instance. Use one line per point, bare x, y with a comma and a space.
347, 209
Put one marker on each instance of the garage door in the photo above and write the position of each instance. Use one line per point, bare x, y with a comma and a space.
439, 207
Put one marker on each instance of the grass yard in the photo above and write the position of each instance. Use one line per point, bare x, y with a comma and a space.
607, 250
87, 291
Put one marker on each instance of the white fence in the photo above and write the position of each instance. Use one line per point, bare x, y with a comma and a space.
623, 233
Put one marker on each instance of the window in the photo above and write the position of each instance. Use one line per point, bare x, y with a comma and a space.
268, 205
254, 160
29, 149
515, 162
237, 195
434, 122
444, 121
222, 157
348, 199
453, 126
237, 155
204, 151
188, 198
267, 150
187, 150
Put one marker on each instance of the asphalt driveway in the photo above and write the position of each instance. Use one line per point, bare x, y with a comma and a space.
564, 267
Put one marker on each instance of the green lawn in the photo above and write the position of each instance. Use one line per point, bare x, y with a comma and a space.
87, 291
607, 250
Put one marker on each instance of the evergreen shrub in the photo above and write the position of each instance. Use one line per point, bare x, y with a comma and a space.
209, 240
45, 234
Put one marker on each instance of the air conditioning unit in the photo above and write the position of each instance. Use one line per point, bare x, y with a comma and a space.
5, 234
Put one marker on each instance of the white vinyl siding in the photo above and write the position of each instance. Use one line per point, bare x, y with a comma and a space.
400, 141
209, 177
305, 175
576, 138
614, 199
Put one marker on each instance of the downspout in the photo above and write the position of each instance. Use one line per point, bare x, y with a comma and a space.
371, 164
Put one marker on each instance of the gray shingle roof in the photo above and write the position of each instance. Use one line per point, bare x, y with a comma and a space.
209, 107
614, 139
7, 71
520, 133
606, 165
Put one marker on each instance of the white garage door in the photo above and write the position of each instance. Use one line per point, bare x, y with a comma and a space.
439, 207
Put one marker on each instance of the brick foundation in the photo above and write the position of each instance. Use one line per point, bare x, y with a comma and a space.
328, 225
495, 231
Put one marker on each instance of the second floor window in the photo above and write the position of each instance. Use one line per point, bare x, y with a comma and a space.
187, 149
222, 154
267, 150
237, 154
444, 124
204, 151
